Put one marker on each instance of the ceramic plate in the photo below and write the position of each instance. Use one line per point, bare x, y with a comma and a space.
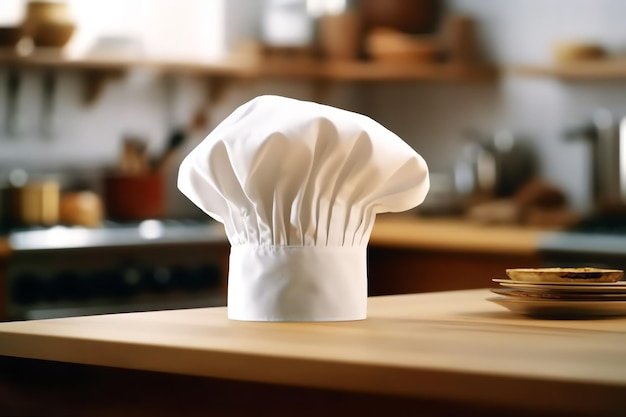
618, 284
561, 309
566, 288
555, 295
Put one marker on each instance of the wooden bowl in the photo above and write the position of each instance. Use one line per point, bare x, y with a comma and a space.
52, 34
565, 52
38, 12
383, 44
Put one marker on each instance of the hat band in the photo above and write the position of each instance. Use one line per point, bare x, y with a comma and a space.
297, 283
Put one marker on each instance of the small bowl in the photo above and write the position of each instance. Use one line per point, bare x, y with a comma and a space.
388, 45
565, 52
40, 12
52, 34
10, 36
583, 274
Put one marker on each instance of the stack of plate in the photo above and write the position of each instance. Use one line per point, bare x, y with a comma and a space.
562, 292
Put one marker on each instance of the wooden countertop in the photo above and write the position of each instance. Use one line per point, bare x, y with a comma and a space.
406, 231
445, 345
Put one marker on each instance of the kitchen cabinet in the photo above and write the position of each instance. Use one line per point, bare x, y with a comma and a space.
402, 271
409, 254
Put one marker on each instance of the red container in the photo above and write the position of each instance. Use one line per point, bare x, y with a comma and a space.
134, 197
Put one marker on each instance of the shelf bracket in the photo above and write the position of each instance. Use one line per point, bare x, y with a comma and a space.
216, 89
95, 80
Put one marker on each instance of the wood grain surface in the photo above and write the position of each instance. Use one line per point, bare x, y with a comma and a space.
445, 346
403, 231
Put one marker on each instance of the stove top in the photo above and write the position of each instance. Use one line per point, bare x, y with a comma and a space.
597, 241
112, 234
602, 224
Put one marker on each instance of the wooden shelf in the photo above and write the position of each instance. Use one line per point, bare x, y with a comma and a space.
613, 69
55, 59
373, 71
274, 68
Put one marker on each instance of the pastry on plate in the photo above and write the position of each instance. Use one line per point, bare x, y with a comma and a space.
582, 274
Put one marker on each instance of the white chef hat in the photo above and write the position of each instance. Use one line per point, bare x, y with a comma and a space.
298, 186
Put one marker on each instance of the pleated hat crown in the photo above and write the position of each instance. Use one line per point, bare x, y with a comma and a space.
298, 186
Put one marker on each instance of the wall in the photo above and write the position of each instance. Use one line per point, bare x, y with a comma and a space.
429, 116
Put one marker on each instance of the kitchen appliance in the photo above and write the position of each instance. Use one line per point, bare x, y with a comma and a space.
493, 166
119, 267
607, 135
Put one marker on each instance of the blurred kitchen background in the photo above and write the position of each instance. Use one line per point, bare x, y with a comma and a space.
515, 106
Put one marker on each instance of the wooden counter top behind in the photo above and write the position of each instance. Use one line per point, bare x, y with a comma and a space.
410, 254
406, 231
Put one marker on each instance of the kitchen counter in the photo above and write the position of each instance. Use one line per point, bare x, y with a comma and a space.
451, 352
401, 231
458, 234
403, 249
404, 231
145, 233
410, 254
407, 253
